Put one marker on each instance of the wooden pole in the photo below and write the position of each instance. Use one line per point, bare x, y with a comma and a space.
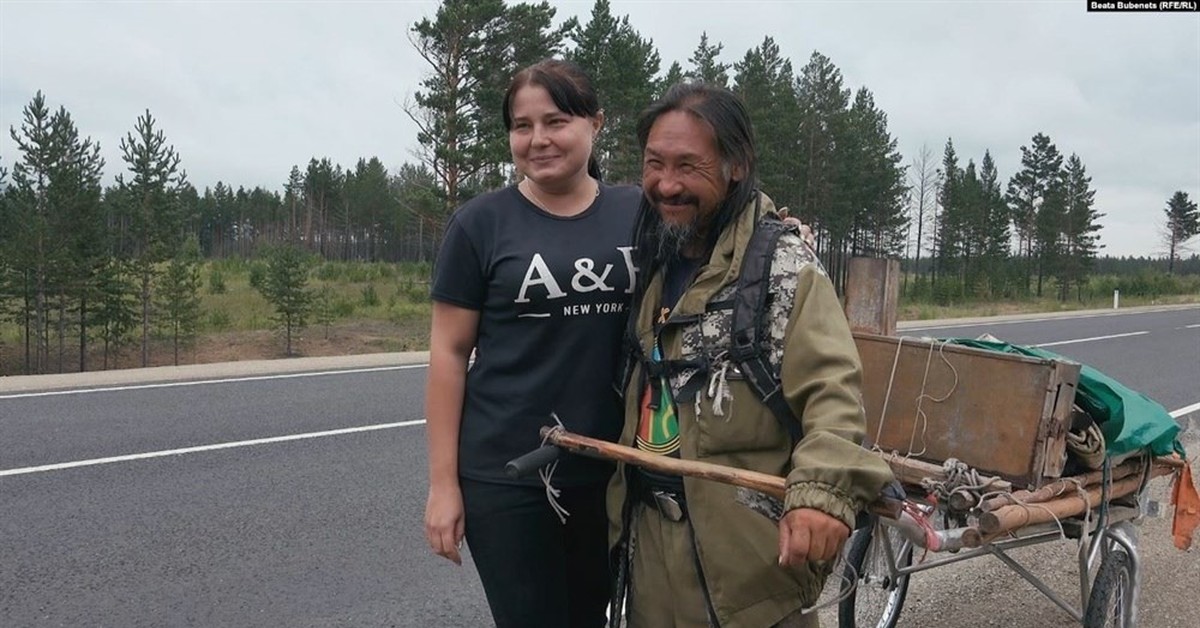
770, 485
1004, 518
1009, 518
912, 471
1063, 486
594, 448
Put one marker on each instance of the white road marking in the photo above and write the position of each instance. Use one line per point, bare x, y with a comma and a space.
202, 382
1092, 339
202, 448
1191, 326
1185, 410
280, 439
986, 323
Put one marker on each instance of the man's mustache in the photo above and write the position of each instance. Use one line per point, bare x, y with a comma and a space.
678, 199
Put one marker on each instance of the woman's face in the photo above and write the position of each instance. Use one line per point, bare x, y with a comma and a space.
549, 146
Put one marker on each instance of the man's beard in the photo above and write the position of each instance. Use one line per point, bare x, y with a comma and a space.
672, 238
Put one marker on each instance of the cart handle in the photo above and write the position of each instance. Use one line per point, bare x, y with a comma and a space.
557, 438
525, 465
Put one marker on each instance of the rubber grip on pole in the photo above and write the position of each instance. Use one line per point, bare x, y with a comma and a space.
525, 465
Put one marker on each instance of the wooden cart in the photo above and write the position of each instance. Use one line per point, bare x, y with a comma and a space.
1006, 419
879, 557
979, 441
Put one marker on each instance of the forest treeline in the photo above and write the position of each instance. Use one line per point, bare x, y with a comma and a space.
84, 263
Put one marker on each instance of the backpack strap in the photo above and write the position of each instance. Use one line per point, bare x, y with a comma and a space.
630, 358
749, 347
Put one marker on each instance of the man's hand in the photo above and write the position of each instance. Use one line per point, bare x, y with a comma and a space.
806, 535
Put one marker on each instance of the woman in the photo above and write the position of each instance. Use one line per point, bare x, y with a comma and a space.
534, 279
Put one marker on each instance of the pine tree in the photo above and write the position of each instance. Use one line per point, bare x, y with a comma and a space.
190, 219
1027, 192
472, 47
215, 214
151, 208
179, 296
706, 68
414, 189
823, 102
323, 188
765, 82
674, 76
524, 36
875, 180
456, 47
372, 203
1080, 227
116, 313
1182, 224
947, 236
267, 218
323, 312
284, 286
80, 219
966, 226
293, 199
8, 274
623, 67
31, 247
1049, 222
993, 228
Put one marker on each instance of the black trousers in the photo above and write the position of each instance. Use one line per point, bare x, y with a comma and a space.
538, 572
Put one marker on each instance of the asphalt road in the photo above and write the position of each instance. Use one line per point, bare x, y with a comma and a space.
267, 498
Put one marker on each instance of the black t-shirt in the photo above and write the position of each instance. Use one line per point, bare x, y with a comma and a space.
553, 294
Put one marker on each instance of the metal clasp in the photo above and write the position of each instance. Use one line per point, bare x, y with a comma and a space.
668, 506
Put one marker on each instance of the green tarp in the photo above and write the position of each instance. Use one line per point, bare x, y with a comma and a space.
1129, 419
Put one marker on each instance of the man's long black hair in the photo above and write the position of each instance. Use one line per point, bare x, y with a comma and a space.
725, 114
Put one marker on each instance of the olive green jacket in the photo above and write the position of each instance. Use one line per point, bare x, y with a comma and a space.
821, 376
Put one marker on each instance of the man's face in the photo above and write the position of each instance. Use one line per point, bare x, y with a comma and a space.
683, 174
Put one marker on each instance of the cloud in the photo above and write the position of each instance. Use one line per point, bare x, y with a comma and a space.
246, 90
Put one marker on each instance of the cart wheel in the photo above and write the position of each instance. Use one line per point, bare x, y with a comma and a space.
879, 594
1110, 603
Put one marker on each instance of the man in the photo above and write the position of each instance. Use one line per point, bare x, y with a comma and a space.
692, 555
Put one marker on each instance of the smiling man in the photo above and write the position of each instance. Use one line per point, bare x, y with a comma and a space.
692, 556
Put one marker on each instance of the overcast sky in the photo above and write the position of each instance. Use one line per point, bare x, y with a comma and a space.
245, 90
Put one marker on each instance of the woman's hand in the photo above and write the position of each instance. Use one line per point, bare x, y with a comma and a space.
806, 232
451, 339
444, 521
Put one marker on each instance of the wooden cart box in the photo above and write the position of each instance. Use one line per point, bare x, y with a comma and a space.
1002, 414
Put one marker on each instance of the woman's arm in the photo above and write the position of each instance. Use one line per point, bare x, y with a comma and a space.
451, 341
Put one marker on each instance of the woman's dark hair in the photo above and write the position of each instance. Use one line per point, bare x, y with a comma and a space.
726, 115
570, 88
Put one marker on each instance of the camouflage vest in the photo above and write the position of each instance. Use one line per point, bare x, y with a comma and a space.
741, 334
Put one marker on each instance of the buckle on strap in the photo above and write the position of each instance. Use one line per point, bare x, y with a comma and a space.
671, 506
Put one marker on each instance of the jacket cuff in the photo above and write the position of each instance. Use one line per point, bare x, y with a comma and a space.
823, 497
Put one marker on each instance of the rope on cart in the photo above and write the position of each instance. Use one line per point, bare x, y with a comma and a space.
888, 396
921, 418
1084, 540
961, 479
